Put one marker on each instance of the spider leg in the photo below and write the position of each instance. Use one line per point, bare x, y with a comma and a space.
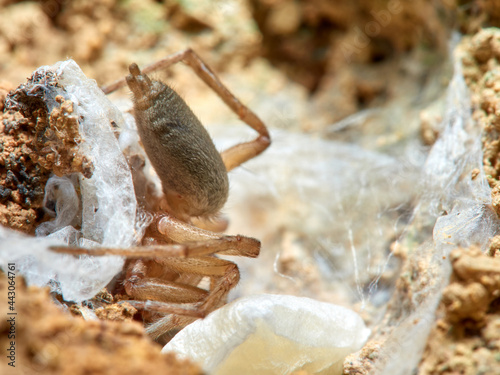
238, 154
139, 284
186, 234
135, 252
161, 64
168, 323
224, 275
191, 242
226, 245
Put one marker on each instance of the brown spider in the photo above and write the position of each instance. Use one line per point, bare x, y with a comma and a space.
163, 276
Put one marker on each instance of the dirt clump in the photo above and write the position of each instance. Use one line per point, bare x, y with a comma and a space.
51, 341
466, 338
482, 74
39, 136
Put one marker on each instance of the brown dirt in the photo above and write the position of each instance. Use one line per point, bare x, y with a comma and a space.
51, 341
466, 336
35, 143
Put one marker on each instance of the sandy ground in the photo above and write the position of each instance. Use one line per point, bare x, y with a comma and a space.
51, 341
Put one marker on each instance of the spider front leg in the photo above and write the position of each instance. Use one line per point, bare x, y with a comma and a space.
183, 233
239, 153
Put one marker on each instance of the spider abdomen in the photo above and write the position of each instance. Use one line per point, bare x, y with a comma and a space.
184, 156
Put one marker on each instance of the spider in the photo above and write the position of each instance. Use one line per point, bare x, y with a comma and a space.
164, 274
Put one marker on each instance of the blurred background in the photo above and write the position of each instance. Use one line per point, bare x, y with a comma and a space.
347, 55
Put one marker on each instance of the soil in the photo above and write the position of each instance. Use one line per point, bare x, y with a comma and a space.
345, 58
52, 341
466, 336
36, 142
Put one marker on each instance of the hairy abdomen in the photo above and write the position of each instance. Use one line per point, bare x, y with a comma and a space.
184, 156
